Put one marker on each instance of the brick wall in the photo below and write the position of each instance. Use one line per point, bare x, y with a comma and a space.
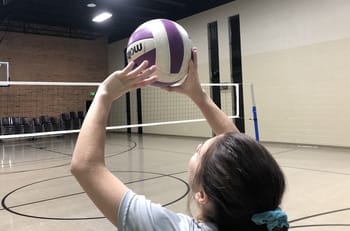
48, 58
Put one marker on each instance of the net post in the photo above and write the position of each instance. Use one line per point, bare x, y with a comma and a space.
255, 116
4, 82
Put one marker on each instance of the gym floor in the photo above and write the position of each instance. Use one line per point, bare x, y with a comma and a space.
38, 192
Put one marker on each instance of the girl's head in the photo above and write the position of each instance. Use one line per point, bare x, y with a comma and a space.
233, 177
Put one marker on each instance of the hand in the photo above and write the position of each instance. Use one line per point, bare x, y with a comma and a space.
122, 81
191, 86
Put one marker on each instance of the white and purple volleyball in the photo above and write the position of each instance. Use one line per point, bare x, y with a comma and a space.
163, 43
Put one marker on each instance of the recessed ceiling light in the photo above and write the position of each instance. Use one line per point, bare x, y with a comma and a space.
91, 4
102, 17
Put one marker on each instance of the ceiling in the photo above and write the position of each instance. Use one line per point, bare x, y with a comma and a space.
72, 18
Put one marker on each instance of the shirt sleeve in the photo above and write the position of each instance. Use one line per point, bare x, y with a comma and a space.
136, 213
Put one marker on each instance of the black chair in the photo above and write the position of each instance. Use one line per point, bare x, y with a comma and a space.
75, 120
46, 122
38, 127
66, 121
18, 125
7, 126
81, 116
28, 124
56, 123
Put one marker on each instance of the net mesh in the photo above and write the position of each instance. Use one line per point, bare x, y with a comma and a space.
160, 106
43, 109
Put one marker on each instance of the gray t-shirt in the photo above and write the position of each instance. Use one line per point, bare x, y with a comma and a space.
136, 214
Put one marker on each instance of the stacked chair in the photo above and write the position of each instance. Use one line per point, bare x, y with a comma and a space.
46, 124
7, 126
38, 127
66, 121
28, 124
20, 125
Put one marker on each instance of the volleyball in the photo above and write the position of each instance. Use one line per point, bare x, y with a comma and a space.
163, 43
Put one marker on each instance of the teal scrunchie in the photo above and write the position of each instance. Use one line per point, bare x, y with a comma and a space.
272, 219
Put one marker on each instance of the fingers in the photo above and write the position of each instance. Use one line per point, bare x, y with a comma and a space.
195, 56
144, 76
145, 73
194, 60
146, 81
140, 76
129, 67
139, 69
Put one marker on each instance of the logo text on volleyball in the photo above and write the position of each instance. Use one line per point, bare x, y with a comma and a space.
134, 49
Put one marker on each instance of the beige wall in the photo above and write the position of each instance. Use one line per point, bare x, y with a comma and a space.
307, 98
295, 53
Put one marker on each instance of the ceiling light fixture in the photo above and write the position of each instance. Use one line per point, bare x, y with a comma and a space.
102, 17
91, 5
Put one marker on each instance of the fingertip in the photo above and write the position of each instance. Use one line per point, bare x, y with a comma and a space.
194, 55
145, 63
154, 78
153, 68
130, 66
194, 51
149, 80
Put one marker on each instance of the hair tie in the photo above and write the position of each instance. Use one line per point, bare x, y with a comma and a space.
272, 219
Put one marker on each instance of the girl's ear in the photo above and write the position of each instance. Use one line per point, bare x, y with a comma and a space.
201, 197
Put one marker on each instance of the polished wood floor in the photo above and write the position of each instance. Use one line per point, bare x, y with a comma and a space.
38, 192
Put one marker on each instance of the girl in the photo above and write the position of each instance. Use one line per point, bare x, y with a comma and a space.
235, 181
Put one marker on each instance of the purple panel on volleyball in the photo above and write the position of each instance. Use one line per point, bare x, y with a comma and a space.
140, 34
175, 44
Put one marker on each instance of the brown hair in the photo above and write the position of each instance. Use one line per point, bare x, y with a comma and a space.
240, 178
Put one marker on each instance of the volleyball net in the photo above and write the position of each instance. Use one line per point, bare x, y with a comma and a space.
38, 109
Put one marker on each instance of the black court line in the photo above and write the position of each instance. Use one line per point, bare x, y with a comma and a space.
316, 170
160, 175
319, 225
188, 189
34, 161
318, 215
308, 169
35, 169
106, 155
65, 164
53, 151
284, 151
68, 163
171, 151
26, 162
